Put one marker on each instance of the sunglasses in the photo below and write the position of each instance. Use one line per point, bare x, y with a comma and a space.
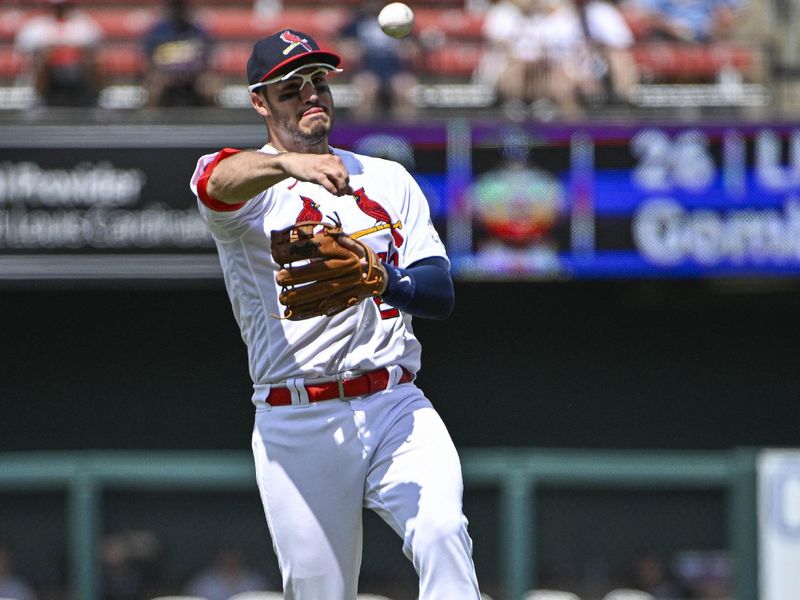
322, 69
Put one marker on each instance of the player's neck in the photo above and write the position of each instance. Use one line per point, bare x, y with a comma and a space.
320, 148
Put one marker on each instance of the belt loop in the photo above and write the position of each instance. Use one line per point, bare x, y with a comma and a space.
298, 391
260, 397
395, 373
340, 383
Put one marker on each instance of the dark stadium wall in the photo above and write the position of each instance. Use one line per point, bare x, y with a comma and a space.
587, 365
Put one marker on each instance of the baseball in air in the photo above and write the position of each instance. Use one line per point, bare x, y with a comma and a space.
396, 19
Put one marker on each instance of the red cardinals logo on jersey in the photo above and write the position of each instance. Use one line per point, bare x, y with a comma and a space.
309, 212
294, 41
383, 221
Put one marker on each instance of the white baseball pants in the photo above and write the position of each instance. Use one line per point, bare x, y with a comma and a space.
318, 464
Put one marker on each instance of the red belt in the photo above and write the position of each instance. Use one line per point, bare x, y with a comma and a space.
368, 383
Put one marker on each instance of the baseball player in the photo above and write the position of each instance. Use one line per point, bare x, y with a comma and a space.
339, 423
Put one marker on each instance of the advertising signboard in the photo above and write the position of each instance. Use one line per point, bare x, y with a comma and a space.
513, 201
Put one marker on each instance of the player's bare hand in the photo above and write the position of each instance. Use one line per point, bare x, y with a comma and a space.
327, 170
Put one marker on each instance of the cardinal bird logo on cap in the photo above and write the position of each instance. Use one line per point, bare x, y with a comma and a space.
377, 212
294, 41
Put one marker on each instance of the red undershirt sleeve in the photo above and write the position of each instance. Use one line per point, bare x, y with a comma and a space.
210, 202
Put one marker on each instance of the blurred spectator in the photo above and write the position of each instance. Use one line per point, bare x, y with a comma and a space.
558, 53
650, 574
178, 51
477, 6
267, 8
12, 586
684, 20
707, 575
61, 47
589, 43
383, 80
512, 55
228, 575
129, 562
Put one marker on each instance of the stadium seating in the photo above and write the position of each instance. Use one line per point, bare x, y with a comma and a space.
11, 63
454, 23
693, 62
451, 38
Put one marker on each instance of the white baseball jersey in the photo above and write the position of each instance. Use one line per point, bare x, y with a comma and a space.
388, 212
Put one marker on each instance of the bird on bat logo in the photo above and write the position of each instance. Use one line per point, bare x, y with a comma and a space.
369, 207
294, 41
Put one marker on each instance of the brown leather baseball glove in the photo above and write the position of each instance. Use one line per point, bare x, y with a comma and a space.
323, 270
